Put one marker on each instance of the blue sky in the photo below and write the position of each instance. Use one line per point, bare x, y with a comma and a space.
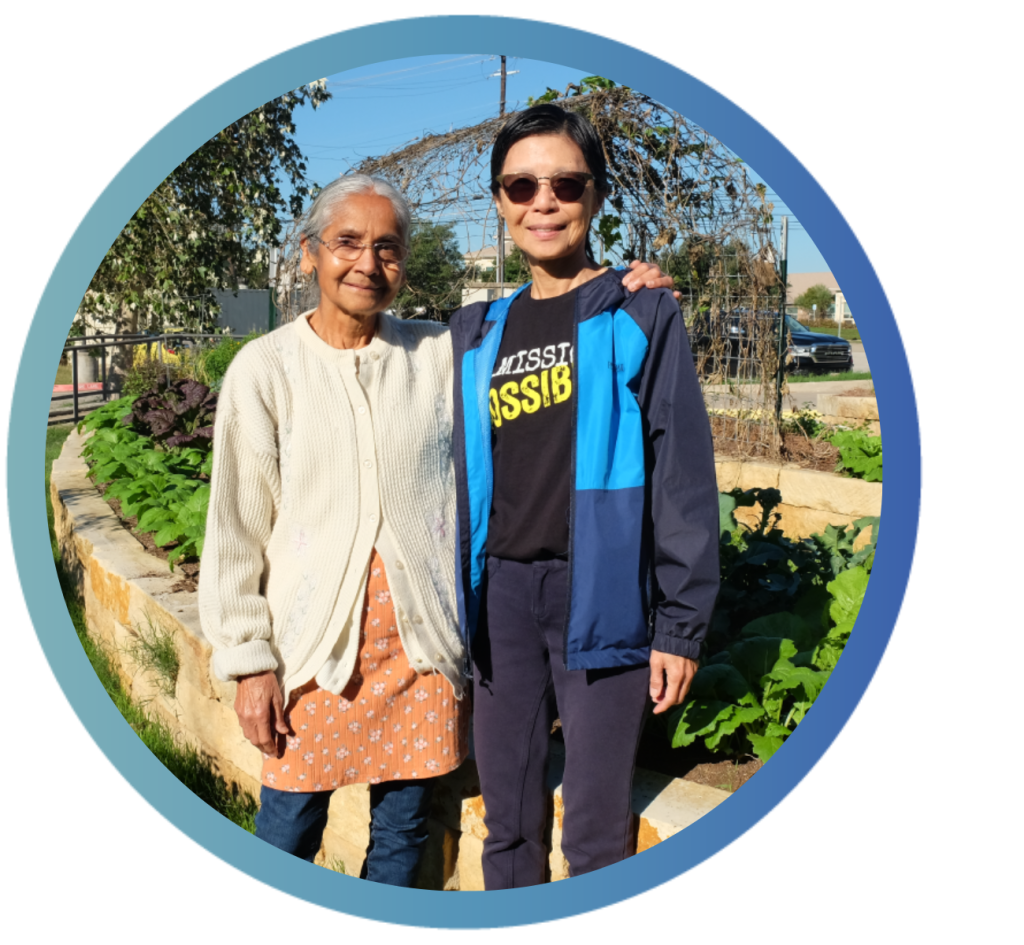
379, 108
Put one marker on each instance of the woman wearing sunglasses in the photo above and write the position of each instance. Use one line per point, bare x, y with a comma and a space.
587, 511
328, 587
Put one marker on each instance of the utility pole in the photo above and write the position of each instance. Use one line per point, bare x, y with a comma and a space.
784, 275
504, 76
500, 263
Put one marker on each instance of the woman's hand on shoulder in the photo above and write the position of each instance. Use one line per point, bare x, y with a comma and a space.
645, 275
671, 678
259, 706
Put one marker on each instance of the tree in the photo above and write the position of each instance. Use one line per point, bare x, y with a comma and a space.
208, 225
820, 295
434, 273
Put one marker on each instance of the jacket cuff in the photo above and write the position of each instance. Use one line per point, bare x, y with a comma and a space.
674, 646
243, 660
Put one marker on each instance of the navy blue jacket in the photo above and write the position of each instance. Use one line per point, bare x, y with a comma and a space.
643, 520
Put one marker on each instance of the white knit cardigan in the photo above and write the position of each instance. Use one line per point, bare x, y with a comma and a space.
319, 456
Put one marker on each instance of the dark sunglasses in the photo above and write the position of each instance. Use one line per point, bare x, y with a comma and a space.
522, 188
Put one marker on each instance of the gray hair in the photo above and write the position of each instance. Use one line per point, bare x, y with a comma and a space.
326, 204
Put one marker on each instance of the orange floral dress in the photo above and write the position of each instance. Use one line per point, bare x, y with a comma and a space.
389, 723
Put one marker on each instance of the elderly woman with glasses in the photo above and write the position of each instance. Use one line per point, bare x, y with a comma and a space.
587, 510
328, 581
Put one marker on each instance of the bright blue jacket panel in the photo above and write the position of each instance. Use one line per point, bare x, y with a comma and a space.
644, 508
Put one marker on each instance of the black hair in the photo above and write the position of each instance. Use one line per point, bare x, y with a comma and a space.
551, 120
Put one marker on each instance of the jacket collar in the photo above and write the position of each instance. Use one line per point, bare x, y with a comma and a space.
597, 295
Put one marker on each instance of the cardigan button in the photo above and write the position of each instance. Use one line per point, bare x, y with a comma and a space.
439, 657
399, 565
417, 619
367, 463
374, 356
362, 409
372, 516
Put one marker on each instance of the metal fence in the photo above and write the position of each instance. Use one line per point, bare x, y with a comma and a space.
111, 375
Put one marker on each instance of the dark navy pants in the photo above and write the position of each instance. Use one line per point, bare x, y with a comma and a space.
521, 686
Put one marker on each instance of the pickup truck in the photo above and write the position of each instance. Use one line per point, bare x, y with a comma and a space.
741, 334
814, 352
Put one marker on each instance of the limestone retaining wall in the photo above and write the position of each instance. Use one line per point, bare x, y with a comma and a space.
127, 592
810, 500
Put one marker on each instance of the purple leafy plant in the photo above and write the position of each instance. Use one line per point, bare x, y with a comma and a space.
176, 416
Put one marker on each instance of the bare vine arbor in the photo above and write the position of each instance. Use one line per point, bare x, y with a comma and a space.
679, 196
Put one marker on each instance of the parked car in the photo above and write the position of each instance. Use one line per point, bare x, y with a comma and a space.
726, 343
814, 352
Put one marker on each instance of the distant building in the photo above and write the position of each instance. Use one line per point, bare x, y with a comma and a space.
482, 285
800, 282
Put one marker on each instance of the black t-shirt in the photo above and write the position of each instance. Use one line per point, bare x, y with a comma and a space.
531, 421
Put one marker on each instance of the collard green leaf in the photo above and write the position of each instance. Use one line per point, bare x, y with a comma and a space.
765, 745
757, 656
848, 592
699, 717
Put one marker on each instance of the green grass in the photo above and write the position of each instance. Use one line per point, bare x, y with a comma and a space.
844, 376
63, 374
189, 766
153, 650
828, 327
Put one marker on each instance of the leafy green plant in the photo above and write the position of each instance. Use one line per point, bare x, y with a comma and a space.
753, 694
168, 491
838, 543
763, 572
153, 650
860, 454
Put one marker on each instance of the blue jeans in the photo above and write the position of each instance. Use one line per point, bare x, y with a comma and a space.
295, 824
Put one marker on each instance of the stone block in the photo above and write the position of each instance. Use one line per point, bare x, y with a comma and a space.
848, 408
469, 864
809, 489
665, 806
727, 472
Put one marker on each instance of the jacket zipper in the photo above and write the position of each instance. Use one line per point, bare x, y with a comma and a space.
468, 662
574, 407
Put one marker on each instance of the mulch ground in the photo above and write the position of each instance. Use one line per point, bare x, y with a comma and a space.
796, 448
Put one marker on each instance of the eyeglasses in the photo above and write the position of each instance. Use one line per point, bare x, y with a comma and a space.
344, 247
522, 188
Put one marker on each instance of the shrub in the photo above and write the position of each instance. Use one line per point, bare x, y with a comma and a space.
211, 364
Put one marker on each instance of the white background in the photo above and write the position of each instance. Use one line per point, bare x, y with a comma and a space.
909, 827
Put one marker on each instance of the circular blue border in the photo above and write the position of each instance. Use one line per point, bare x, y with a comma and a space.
443, 35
